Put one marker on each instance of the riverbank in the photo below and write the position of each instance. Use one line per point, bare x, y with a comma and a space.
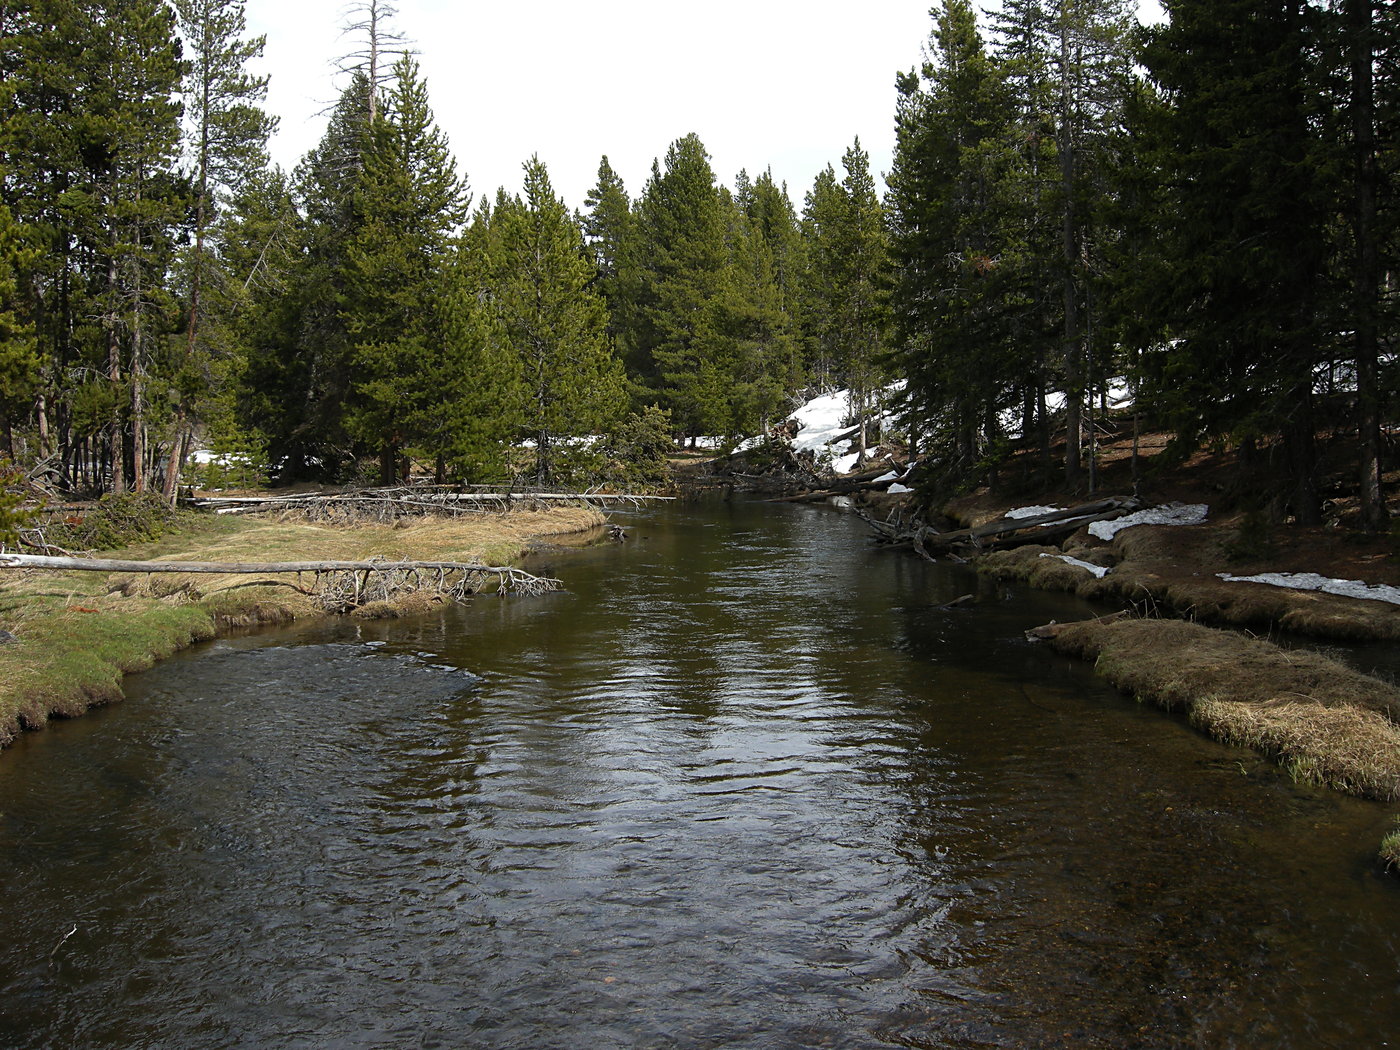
73, 635
1180, 646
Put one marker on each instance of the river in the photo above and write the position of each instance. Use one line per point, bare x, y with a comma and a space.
747, 783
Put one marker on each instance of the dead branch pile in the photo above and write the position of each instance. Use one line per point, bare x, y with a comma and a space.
1002, 533
338, 586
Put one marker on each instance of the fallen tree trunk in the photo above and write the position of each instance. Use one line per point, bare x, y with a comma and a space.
348, 583
408, 499
41, 561
1012, 532
843, 487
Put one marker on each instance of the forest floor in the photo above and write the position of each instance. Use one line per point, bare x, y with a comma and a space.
72, 635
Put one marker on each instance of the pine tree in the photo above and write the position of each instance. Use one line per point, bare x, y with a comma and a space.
684, 258
312, 438
554, 320
137, 68
610, 229
952, 328
408, 203
90, 124
1365, 35
1251, 207
479, 409
19, 351
821, 217
774, 220
1072, 65
860, 250
262, 390
228, 135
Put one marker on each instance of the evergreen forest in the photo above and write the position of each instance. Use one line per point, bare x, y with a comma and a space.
1201, 212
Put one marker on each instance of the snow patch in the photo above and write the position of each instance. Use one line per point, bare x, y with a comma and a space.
1100, 571
1031, 512
1311, 581
891, 476
1166, 514
821, 420
896, 489
845, 464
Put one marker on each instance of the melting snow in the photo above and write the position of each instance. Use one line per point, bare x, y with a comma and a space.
1167, 514
891, 476
822, 419
897, 488
1098, 570
1030, 512
1311, 581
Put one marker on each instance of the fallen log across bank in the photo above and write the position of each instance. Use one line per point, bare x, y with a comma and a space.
347, 584
1008, 532
412, 500
867, 480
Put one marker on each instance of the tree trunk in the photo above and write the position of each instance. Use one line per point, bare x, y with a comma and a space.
1360, 16
1074, 371
388, 463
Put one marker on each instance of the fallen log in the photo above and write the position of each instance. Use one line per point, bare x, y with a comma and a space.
1052, 630
1012, 532
843, 487
453, 578
409, 499
41, 561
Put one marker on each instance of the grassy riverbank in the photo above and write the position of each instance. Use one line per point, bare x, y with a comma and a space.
75, 634
1322, 721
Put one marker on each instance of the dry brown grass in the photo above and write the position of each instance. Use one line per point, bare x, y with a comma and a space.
1346, 748
1037, 565
1324, 721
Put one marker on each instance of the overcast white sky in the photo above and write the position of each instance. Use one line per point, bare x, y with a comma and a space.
786, 84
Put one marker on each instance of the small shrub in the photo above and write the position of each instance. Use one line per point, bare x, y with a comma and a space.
117, 521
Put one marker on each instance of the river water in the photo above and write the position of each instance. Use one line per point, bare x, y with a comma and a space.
746, 784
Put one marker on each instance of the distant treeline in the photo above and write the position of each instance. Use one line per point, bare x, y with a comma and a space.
1202, 208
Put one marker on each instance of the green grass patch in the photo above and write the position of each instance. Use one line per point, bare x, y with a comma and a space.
1390, 850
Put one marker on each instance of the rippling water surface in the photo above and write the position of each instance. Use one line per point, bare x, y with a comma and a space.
747, 784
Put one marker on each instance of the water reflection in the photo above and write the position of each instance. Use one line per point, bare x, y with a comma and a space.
746, 784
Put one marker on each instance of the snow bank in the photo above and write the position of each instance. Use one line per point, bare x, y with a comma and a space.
1167, 514
1311, 581
820, 419
1098, 570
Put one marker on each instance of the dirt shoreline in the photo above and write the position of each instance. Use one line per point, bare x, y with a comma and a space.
72, 636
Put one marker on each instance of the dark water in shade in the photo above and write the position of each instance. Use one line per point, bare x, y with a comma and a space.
745, 785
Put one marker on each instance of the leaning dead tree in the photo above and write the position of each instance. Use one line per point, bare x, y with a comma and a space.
338, 586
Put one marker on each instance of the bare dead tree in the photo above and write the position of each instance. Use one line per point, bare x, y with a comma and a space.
367, 21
